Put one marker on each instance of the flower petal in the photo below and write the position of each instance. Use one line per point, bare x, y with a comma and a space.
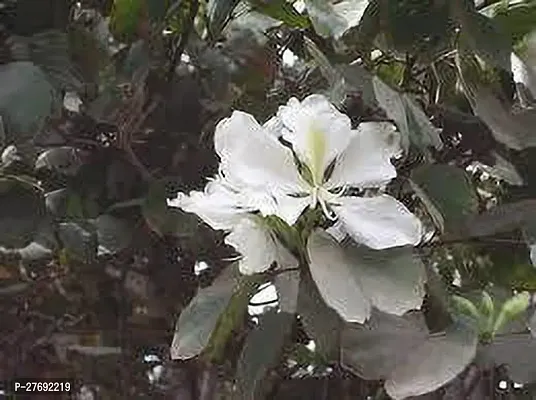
259, 248
317, 131
379, 222
289, 208
217, 206
336, 278
251, 156
366, 161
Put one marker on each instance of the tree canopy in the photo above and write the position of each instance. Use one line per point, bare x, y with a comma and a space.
250, 199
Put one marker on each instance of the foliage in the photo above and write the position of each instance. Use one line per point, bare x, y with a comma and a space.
109, 109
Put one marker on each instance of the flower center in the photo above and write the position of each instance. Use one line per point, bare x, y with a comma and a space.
322, 196
316, 143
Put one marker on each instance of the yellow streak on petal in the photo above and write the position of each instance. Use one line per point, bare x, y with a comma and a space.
316, 142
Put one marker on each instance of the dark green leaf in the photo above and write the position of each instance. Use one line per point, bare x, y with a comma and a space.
516, 18
374, 349
432, 364
22, 209
262, 351
198, 320
26, 99
287, 285
320, 322
518, 353
485, 38
49, 50
114, 233
448, 194
411, 120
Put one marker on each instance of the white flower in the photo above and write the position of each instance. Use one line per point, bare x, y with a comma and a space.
252, 156
223, 207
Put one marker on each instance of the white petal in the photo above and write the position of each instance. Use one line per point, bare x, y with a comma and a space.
317, 131
366, 160
379, 222
258, 247
336, 278
217, 206
252, 156
274, 126
290, 208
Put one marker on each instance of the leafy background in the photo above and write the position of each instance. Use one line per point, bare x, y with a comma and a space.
107, 109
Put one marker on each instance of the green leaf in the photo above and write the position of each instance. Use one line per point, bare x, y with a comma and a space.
518, 353
515, 17
114, 234
219, 12
499, 219
320, 322
448, 194
354, 278
281, 10
262, 351
125, 18
432, 364
466, 308
199, 319
510, 126
26, 99
511, 309
413, 123
372, 351
22, 209
287, 285
485, 38
166, 220
49, 50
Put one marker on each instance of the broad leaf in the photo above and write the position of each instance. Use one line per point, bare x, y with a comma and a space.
525, 78
518, 353
199, 319
287, 285
320, 322
262, 351
49, 50
512, 127
412, 122
26, 99
515, 17
114, 233
22, 209
447, 193
433, 364
373, 350
486, 39
503, 218
354, 278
